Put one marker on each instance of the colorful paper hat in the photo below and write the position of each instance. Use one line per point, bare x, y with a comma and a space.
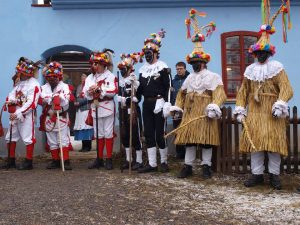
53, 69
128, 60
27, 67
100, 57
154, 42
198, 53
267, 29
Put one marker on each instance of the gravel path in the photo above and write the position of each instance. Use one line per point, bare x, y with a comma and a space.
84, 196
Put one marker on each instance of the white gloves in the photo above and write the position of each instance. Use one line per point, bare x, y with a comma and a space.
175, 108
240, 117
122, 100
166, 109
159, 105
240, 113
280, 109
213, 111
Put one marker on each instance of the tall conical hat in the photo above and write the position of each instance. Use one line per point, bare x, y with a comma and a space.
198, 54
267, 28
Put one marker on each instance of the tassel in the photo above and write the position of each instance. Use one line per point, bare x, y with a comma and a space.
284, 32
201, 14
288, 5
188, 27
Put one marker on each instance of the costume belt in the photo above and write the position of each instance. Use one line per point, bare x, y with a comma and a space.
153, 98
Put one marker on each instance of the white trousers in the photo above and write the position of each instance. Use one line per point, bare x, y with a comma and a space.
105, 126
152, 156
257, 163
23, 130
53, 139
190, 156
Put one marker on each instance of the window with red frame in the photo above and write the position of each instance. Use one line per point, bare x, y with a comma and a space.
235, 58
41, 3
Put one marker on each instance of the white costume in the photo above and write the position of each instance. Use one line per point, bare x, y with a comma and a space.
51, 125
106, 109
25, 95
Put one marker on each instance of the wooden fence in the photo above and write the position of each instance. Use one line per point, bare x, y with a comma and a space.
227, 159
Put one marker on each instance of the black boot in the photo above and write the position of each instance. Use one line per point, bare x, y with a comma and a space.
109, 165
164, 168
137, 166
10, 163
186, 171
254, 180
275, 181
298, 190
26, 165
96, 164
125, 165
206, 172
147, 169
54, 164
67, 165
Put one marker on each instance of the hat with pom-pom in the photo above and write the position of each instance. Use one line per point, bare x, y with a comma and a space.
267, 29
154, 42
198, 54
53, 69
128, 60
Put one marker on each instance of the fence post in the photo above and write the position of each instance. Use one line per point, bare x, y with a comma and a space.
236, 147
287, 161
295, 139
224, 140
229, 141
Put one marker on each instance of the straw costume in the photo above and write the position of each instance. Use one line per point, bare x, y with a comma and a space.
262, 103
200, 98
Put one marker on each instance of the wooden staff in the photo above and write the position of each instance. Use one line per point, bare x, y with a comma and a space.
184, 125
247, 133
130, 125
60, 144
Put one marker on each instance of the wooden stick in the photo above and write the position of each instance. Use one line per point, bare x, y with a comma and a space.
184, 125
247, 133
60, 144
130, 127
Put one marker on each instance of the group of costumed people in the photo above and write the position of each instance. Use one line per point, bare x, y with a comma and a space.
261, 106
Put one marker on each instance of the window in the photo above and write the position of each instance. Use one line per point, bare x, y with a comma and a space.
235, 58
41, 3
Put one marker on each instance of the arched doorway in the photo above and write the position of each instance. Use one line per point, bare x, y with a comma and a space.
75, 61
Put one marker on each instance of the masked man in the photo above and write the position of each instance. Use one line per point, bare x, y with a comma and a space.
55, 97
100, 88
155, 82
21, 103
262, 107
124, 97
200, 96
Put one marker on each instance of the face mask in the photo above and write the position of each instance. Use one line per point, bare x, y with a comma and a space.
262, 56
196, 67
149, 56
123, 72
53, 82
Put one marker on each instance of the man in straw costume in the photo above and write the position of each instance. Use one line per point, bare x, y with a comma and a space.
155, 81
199, 98
55, 93
100, 88
21, 103
124, 97
262, 105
